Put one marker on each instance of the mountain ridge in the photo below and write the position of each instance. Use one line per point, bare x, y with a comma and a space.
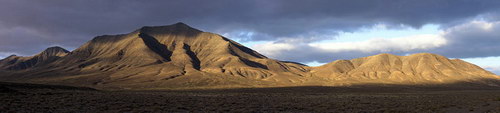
50, 54
179, 56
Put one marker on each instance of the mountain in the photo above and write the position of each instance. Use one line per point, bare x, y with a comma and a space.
178, 57
172, 56
421, 68
49, 55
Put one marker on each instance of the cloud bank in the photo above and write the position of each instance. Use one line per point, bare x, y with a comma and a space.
27, 24
468, 28
467, 40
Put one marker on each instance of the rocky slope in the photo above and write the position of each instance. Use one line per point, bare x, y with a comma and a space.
179, 56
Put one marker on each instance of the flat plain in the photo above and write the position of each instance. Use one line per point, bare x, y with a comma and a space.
35, 98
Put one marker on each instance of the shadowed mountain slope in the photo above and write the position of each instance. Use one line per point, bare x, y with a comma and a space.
49, 55
178, 56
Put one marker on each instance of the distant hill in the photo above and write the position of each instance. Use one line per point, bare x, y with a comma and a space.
181, 57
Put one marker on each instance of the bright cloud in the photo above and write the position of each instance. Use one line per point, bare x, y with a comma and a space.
493, 69
347, 45
409, 43
273, 49
468, 40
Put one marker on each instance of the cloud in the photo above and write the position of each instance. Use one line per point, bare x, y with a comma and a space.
409, 43
472, 39
70, 23
23, 40
274, 49
468, 40
327, 52
493, 69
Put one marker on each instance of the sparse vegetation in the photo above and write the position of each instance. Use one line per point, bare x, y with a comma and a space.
250, 100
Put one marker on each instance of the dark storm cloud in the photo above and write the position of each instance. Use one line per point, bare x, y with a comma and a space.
470, 40
72, 22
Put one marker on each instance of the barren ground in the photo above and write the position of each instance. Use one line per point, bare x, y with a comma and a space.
299, 99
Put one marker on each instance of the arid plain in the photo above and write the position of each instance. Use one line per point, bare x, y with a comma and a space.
40, 98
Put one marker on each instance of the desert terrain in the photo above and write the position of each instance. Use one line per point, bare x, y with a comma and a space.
43, 98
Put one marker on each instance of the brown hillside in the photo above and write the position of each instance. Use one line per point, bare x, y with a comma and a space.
419, 68
178, 56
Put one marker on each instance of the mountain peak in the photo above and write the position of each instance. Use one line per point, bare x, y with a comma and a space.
54, 51
47, 56
385, 54
424, 54
13, 55
56, 48
175, 28
181, 24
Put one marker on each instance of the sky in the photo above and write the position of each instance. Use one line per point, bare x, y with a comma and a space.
320, 30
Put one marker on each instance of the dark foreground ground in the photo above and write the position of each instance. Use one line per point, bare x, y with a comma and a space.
32, 98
